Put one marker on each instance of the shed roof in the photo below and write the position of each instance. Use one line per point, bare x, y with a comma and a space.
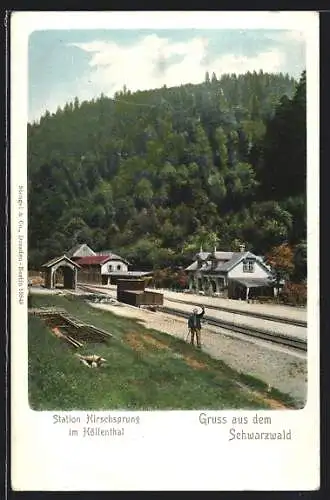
130, 273
55, 260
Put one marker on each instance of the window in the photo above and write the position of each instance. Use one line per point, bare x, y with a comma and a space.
118, 267
109, 268
248, 266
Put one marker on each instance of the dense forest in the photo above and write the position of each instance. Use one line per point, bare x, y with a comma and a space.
153, 175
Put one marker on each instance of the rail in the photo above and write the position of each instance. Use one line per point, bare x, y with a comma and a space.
276, 338
270, 317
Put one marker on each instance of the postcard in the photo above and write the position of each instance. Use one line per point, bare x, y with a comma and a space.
164, 201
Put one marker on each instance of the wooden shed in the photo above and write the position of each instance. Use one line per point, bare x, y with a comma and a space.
132, 292
68, 268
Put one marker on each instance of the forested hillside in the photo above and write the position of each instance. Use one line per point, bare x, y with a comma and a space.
155, 174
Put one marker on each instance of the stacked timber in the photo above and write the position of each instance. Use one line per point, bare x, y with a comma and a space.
133, 292
75, 330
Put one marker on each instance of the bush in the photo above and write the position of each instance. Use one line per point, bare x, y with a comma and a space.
169, 278
294, 294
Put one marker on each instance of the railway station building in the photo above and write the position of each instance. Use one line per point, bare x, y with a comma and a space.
237, 275
102, 267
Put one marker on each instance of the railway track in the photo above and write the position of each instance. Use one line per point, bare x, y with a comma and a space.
275, 338
269, 317
276, 319
272, 337
95, 290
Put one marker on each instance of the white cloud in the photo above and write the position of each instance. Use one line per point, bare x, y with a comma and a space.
269, 61
297, 37
149, 64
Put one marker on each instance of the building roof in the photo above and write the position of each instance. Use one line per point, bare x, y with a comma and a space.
227, 261
112, 255
202, 255
192, 267
217, 255
235, 259
73, 250
55, 260
224, 255
92, 260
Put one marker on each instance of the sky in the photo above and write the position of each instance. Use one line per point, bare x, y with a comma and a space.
64, 64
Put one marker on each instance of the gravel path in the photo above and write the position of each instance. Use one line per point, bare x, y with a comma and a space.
277, 366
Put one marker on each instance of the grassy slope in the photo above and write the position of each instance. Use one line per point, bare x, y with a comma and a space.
145, 369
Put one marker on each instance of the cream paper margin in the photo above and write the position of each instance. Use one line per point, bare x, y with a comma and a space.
168, 450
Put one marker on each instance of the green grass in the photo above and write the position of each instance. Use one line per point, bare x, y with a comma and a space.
137, 376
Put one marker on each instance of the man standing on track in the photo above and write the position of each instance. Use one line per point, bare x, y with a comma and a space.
194, 325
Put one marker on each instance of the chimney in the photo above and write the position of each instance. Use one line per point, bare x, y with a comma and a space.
242, 247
